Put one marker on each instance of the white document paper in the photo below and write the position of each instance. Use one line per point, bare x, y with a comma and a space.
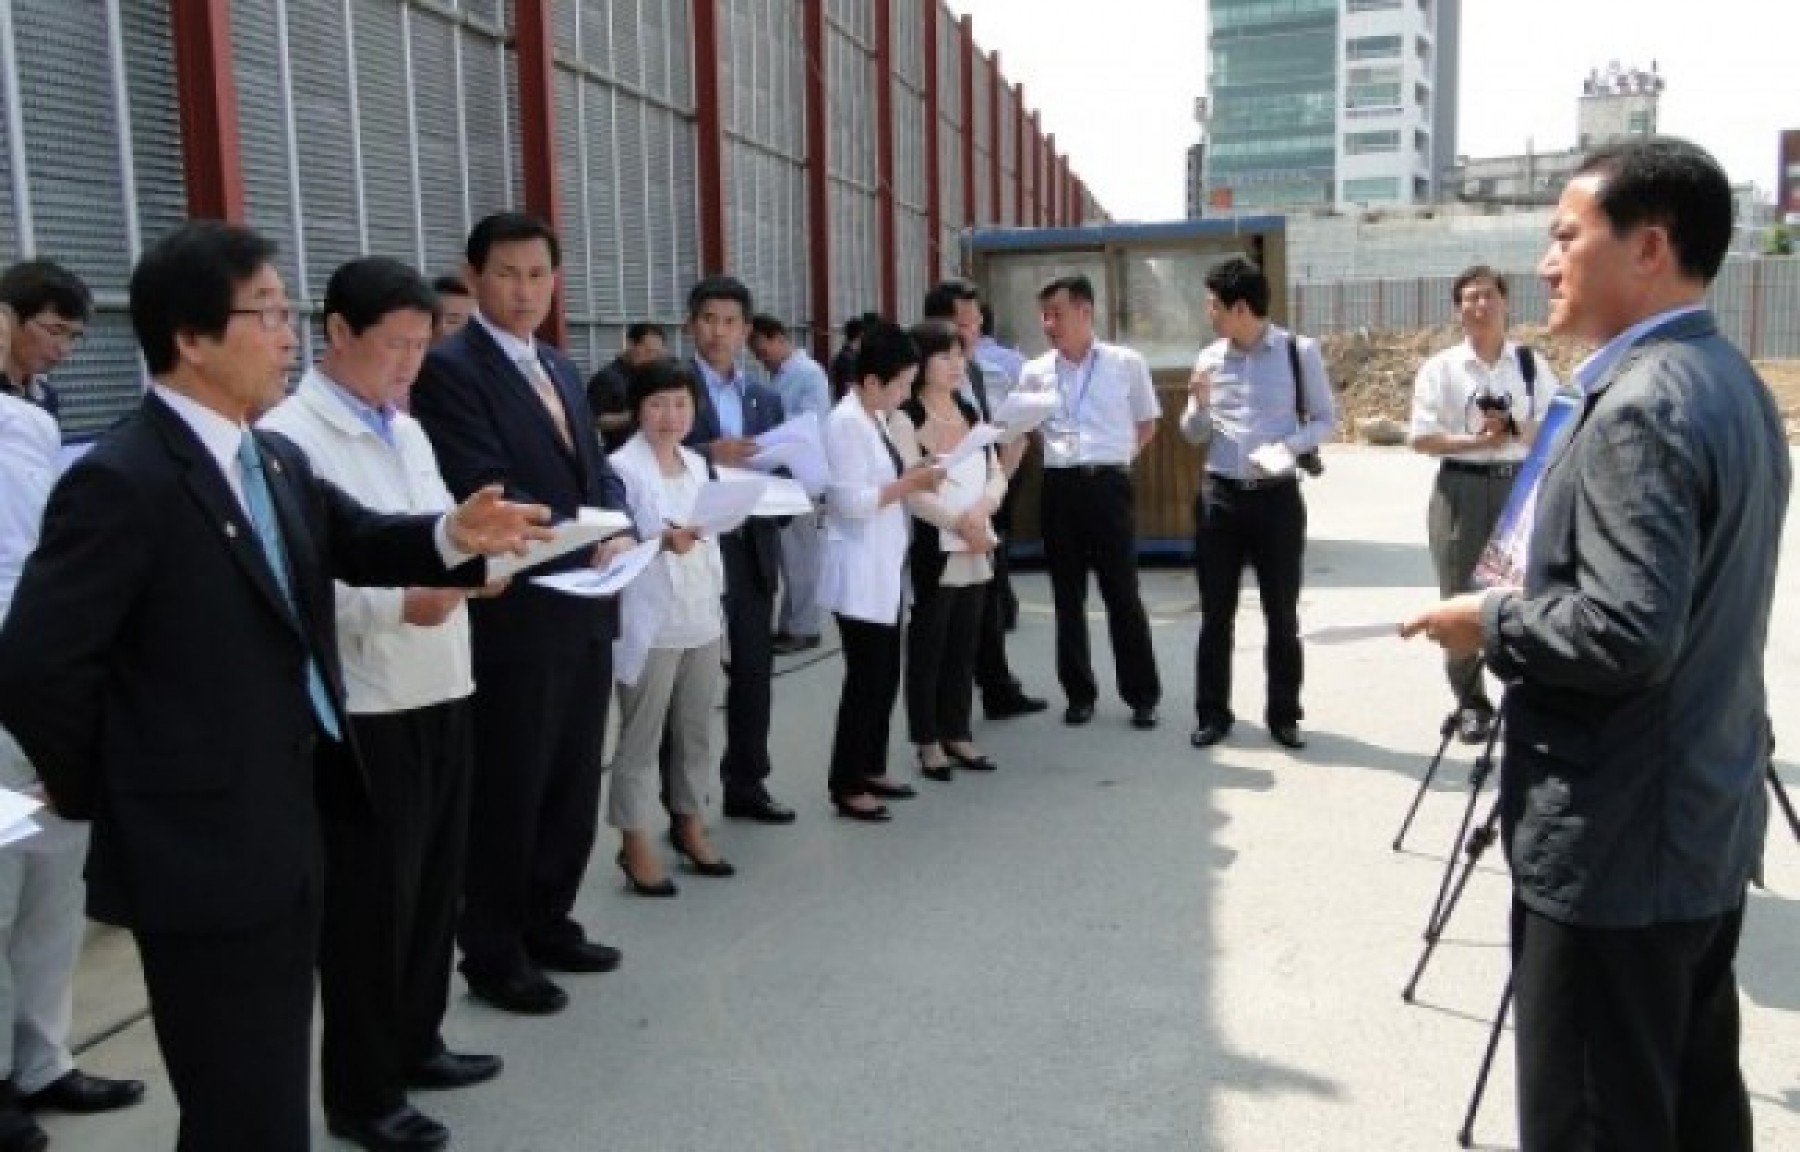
620, 571
1274, 459
979, 437
965, 484
781, 497
1352, 633
798, 446
16, 823
721, 505
1020, 412
590, 526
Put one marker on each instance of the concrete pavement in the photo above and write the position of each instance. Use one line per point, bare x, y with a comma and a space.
1114, 942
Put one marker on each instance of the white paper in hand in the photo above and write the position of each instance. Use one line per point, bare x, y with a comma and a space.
781, 497
797, 446
590, 526
16, 823
1020, 412
620, 571
1274, 459
721, 505
981, 436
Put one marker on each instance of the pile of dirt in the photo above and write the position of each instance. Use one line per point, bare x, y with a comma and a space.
1373, 372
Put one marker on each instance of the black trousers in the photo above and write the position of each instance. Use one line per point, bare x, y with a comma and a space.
992, 673
233, 1018
1089, 526
859, 747
749, 637
941, 638
1265, 528
1627, 1039
392, 884
536, 799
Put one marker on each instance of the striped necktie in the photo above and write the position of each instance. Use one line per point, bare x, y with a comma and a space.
546, 392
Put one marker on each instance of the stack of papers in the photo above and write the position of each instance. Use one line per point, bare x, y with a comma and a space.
797, 446
1020, 412
721, 505
780, 497
590, 526
620, 571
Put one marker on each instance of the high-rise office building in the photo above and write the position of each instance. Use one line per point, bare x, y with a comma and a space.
1318, 104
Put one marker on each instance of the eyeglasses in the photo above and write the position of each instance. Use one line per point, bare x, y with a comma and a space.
274, 317
69, 335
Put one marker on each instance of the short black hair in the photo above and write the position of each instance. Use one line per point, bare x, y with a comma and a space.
451, 286
1238, 279
933, 337
1473, 273
639, 330
187, 283
727, 288
665, 374
941, 300
1672, 184
32, 286
366, 290
853, 328
767, 327
506, 228
1078, 286
885, 352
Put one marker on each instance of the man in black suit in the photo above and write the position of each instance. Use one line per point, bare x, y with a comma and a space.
170, 666
732, 410
502, 407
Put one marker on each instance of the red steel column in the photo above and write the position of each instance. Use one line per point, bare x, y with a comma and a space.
884, 154
1019, 130
211, 156
818, 179
1050, 193
967, 30
994, 84
534, 34
709, 133
934, 143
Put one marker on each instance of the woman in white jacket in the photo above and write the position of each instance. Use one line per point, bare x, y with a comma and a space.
667, 656
861, 577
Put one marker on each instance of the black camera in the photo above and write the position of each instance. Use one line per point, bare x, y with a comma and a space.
1310, 463
1491, 404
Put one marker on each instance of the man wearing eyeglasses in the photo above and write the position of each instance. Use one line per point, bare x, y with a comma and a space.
53, 307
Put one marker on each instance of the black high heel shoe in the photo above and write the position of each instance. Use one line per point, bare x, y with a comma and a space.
718, 868
876, 815
942, 773
977, 763
664, 887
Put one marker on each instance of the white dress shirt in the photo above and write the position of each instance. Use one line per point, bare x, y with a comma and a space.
389, 665
1448, 384
1103, 400
860, 573
29, 443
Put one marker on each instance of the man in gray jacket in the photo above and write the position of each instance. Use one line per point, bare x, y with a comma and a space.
1637, 732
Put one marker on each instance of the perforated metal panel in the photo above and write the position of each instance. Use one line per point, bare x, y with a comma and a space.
763, 92
850, 162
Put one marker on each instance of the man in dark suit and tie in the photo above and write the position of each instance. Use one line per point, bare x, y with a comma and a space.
170, 667
733, 409
1636, 716
502, 407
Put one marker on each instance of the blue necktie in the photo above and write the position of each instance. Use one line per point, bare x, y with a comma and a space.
268, 531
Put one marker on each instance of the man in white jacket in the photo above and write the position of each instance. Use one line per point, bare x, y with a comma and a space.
393, 880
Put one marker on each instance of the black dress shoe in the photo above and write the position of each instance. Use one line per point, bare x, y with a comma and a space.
718, 867
1078, 714
1208, 734
887, 791
453, 1070
762, 809
662, 888
525, 993
788, 645
1288, 735
1144, 718
582, 957
75, 1091
976, 763
1014, 703
18, 1131
877, 814
405, 1129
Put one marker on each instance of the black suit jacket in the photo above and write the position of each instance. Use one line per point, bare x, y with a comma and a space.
156, 676
488, 426
758, 542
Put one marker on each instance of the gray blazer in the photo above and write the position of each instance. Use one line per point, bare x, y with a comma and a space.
1637, 729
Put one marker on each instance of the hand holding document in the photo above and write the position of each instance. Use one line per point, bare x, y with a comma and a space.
1020, 412
781, 497
1274, 459
721, 505
590, 526
981, 436
607, 581
965, 485
797, 446
16, 823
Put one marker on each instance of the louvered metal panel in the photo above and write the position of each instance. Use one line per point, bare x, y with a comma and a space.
572, 203
155, 122
382, 99
627, 57
10, 243
762, 64
490, 110
437, 136
605, 180
324, 141
263, 128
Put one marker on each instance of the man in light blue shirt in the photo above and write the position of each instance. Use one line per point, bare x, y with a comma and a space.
803, 387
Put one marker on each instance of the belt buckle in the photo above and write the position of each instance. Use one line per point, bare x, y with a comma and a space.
1505, 471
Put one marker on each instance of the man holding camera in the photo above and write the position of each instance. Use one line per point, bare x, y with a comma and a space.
1476, 406
1260, 397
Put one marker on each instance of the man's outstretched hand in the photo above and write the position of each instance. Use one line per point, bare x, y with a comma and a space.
488, 524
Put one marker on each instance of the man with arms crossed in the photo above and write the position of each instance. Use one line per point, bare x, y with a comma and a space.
1637, 732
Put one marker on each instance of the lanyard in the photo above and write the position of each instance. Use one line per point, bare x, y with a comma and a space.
1087, 381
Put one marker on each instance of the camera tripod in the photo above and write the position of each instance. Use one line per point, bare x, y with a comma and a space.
1446, 733
1473, 845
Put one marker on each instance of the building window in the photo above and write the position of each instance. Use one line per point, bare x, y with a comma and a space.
1371, 143
1372, 48
1421, 143
1356, 6
1640, 123
1422, 49
1371, 190
1422, 95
